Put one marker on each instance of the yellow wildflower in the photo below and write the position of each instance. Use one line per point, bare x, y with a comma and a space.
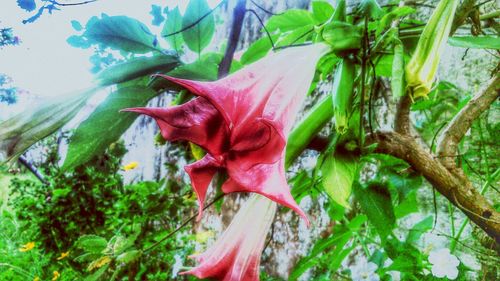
99, 263
56, 275
130, 166
36, 278
63, 255
27, 247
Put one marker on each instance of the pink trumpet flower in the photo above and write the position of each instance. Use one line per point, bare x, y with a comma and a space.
243, 122
236, 254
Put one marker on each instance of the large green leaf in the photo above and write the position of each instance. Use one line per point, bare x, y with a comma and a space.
205, 68
258, 49
419, 229
339, 171
173, 24
376, 203
481, 42
290, 20
122, 33
322, 10
198, 36
23, 130
105, 125
135, 68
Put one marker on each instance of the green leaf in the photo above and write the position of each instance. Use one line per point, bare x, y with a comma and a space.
258, 49
197, 69
370, 8
341, 234
135, 68
105, 125
419, 229
173, 24
376, 203
92, 243
408, 206
76, 25
290, 20
384, 66
21, 131
122, 33
481, 42
322, 10
339, 171
129, 256
297, 36
200, 35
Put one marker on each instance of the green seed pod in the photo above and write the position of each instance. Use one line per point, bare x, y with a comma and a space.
398, 71
342, 94
342, 36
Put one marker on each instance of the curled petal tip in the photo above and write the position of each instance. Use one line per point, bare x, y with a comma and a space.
134, 109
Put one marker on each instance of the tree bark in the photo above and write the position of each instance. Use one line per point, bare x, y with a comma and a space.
461, 123
459, 192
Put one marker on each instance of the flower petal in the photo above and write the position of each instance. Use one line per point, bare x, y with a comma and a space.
257, 143
236, 254
196, 121
201, 173
266, 179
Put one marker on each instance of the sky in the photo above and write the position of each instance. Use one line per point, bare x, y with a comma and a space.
44, 63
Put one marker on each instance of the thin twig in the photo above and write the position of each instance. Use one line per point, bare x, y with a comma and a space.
263, 26
32, 169
183, 224
195, 22
264, 9
71, 4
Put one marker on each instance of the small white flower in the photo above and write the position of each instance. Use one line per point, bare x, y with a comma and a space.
444, 264
365, 272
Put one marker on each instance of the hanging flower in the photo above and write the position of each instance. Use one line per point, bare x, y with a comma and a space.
422, 67
243, 121
27, 247
444, 264
236, 254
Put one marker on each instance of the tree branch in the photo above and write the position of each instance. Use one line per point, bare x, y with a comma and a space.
461, 123
234, 37
32, 169
462, 13
402, 118
459, 192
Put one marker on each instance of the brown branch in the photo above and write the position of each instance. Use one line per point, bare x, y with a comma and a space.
462, 13
402, 118
461, 123
459, 192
